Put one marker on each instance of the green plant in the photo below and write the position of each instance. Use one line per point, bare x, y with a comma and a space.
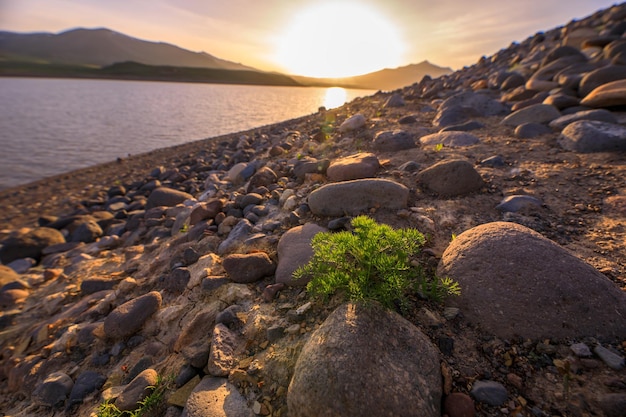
150, 404
438, 147
370, 262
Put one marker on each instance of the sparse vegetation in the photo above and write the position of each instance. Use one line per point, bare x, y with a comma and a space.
371, 262
149, 406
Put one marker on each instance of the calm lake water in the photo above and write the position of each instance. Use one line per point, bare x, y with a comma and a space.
51, 126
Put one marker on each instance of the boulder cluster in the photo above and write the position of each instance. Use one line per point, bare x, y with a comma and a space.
182, 279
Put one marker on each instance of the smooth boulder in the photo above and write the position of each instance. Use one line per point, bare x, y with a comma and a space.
593, 136
366, 361
354, 197
515, 282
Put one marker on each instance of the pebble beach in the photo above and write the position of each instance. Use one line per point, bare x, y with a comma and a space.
176, 265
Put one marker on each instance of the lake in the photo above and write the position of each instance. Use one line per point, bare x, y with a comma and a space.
51, 126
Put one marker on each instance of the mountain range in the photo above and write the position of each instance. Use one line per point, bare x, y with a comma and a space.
103, 53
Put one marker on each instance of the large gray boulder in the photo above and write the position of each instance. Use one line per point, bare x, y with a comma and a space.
515, 282
593, 136
366, 361
354, 197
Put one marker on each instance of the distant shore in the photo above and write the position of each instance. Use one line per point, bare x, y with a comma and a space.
134, 71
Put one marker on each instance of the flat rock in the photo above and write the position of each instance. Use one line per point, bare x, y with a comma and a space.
354, 197
393, 141
353, 167
29, 244
193, 343
451, 178
607, 95
294, 250
600, 115
340, 368
592, 136
536, 113
216, 397
166, 197
128, 318
248, 268
515, 282
224, 345
451, 139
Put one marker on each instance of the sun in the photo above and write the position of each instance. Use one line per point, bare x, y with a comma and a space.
339, 40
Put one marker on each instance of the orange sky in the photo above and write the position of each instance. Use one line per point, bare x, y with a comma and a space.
381, 33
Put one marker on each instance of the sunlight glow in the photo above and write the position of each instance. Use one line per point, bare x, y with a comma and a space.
339, 40
335, 97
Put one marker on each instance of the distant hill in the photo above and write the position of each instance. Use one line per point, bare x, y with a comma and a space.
386, 79
102, 47
103, 53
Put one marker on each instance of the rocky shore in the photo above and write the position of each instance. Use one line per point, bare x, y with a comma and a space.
174, 268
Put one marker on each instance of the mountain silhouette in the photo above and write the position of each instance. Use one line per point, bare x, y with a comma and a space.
101, 47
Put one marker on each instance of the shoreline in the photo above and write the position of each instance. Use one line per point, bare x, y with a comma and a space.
22, 205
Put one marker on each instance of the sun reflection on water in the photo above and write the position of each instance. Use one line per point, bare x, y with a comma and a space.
335, 97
